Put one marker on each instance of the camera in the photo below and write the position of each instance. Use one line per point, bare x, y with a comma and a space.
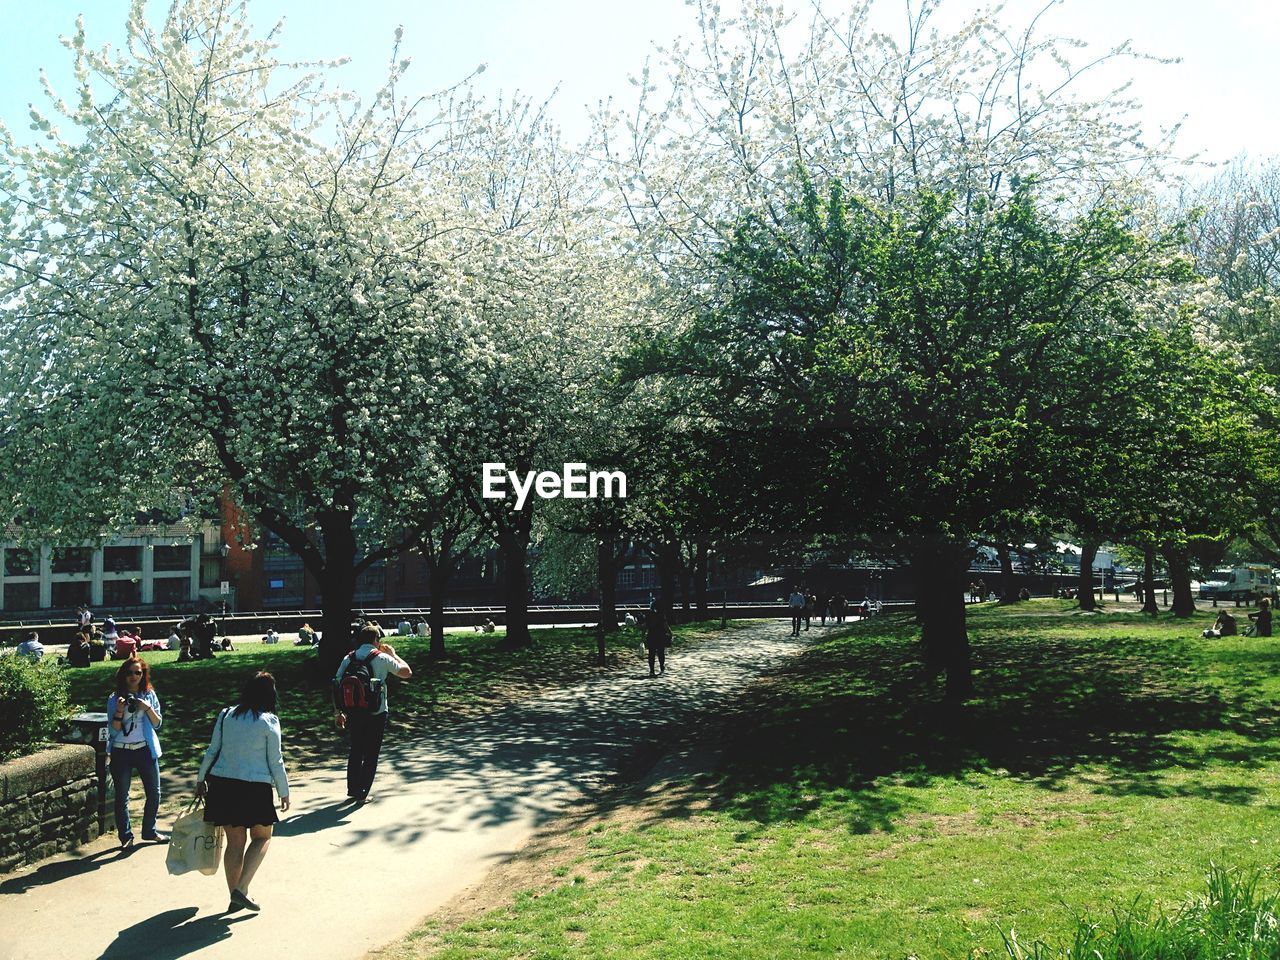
131, 702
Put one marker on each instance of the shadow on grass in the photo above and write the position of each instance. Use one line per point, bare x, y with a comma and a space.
859, 716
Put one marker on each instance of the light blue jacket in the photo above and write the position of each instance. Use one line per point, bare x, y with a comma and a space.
148, 731
246, 748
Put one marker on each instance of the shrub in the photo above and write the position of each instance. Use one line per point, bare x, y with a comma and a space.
33, 703
1234, 920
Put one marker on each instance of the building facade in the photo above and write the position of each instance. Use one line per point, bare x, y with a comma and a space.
149, 567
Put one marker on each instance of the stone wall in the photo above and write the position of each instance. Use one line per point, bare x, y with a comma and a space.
48, 803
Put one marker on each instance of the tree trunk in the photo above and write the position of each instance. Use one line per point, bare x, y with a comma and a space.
438, 576
338, 590
1179, 563
1084, 586
515, 585
607, 574
700, 560
668, 559
1149, 604
941, 568
686, 588
1007, 593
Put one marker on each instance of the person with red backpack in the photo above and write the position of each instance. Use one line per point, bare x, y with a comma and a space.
360, 704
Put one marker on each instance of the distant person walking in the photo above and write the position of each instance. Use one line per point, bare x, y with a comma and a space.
134, 712
243, 761
657, 637
366, 722
796, 604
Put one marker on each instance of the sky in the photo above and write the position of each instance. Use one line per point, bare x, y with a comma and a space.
584, 50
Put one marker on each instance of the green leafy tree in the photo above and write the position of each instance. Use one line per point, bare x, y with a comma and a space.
913, 367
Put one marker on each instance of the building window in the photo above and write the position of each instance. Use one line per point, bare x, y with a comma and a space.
20, 562
372, 583
172, 559
210, 572
121, 593
70, 593
121, 559
284, 585
175, 591
72, 559
21, 596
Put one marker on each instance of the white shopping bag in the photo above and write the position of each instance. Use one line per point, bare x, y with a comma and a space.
194, 844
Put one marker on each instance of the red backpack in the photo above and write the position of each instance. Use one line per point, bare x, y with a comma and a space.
358, 690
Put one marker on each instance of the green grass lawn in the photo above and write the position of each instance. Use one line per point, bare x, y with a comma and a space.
1106, 757
475, 675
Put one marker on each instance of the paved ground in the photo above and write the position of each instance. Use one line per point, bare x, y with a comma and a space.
444, 809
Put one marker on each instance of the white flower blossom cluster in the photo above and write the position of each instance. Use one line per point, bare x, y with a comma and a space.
331, 306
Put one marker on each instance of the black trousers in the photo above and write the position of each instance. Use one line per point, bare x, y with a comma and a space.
366, 731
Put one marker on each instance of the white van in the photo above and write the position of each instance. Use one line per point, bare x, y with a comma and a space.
1248, 582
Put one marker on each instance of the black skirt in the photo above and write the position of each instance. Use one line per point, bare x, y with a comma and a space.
239, 803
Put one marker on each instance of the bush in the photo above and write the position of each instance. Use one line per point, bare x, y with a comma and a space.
1234, 920
33, 704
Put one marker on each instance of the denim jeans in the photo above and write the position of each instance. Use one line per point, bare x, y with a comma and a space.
123, 763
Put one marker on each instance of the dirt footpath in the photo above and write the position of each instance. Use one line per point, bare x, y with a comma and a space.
445, 809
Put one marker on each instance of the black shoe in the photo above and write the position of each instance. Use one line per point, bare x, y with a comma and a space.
242, 901
156, 837
126, 844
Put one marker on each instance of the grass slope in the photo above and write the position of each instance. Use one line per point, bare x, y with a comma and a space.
1106, 758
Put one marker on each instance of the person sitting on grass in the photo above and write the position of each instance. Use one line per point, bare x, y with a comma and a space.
30, 647
126, 645
1262, 619
110, 635
1224, 626
306, 636
272, 636
79, 649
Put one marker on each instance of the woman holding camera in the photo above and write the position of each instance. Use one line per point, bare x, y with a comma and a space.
134, 713
242, 763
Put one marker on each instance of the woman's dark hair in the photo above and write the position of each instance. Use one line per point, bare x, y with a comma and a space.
122, 682
258, 696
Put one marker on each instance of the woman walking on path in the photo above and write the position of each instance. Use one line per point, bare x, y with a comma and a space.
134, 711
657, 638
243, 760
